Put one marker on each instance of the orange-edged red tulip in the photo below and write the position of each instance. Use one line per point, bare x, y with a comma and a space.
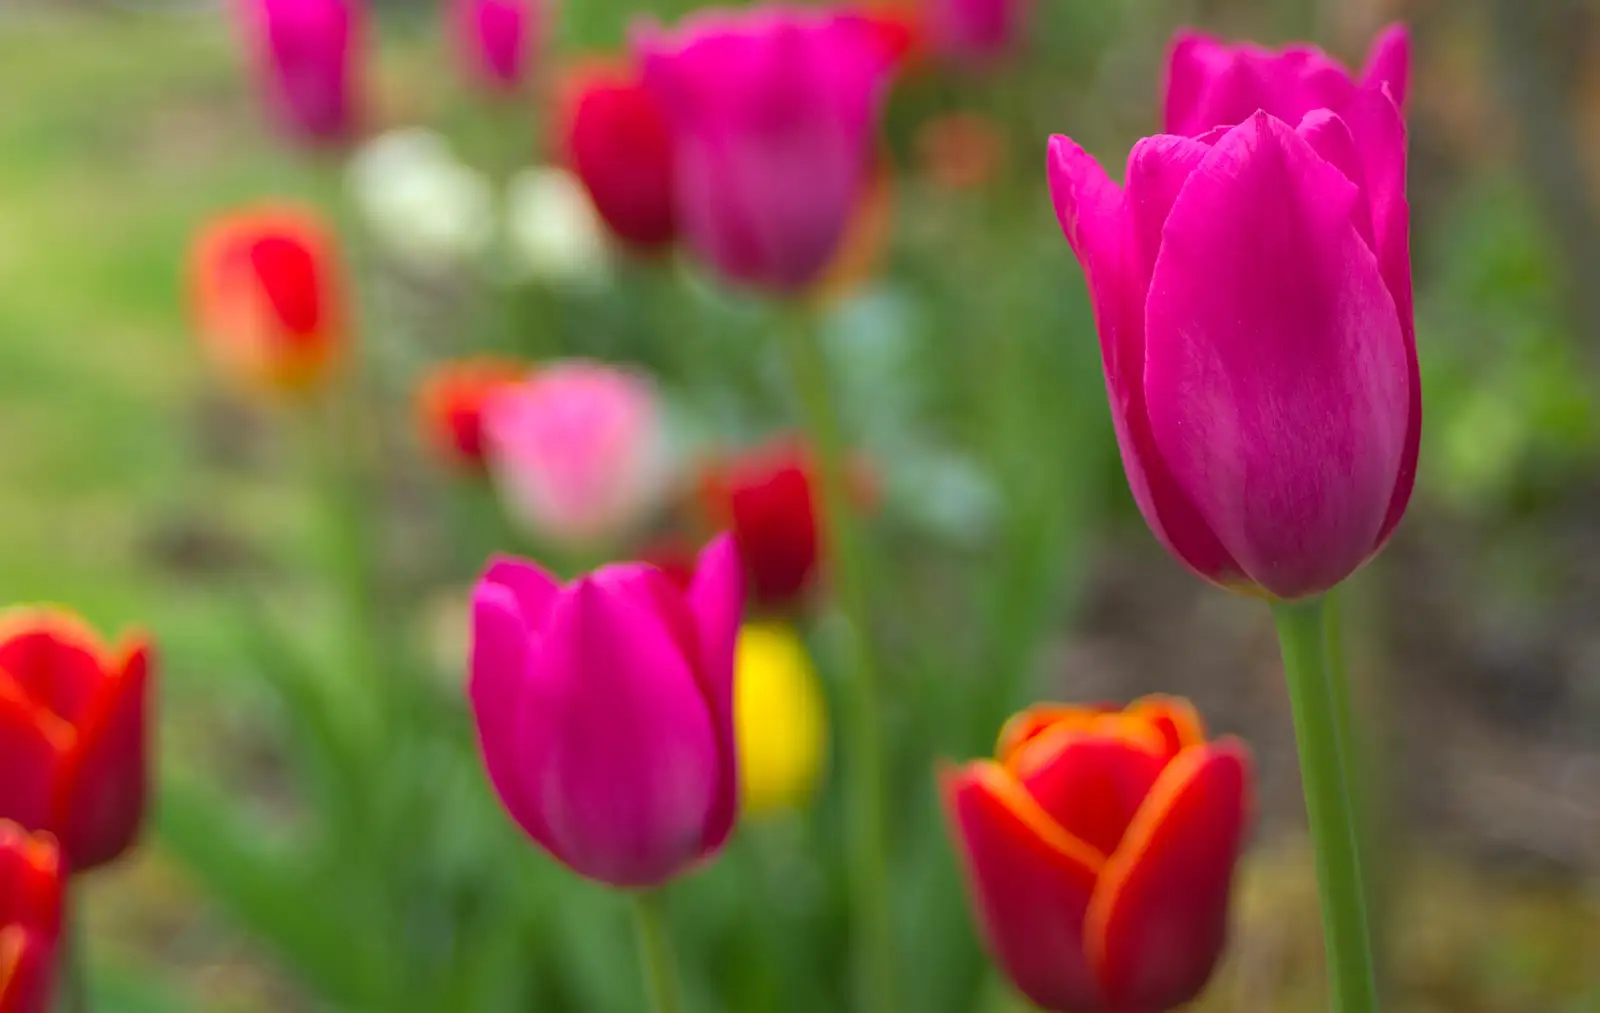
30, 918
450, 404
74, 733
1100, 847
269, 297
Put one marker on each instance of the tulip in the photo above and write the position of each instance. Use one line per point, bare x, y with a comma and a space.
576, 451
1099, 848
305, 54
614, 136
975, 31
768, 499
30, 919
497, 39
605, 711
1210, 83
1252, 289
451, 403
781, 719
73, 730
269, 297
773, 114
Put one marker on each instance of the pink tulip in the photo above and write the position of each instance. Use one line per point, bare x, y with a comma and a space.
1210, 83
774, 114
604, 711
305, 55
975, 31
575, 450
497, 39
1252, 289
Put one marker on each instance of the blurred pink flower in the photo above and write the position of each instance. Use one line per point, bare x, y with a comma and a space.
1211, 83
576, 451
605, 711
774, 113
975, 31
497, 40
1252, 289
305, 55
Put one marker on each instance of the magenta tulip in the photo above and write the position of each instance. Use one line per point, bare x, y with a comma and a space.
604, 711
773, 113
1252, 289
497, 39
975, 31
305, 55
1211, 83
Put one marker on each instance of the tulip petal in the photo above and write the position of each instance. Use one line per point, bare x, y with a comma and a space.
1276, 372
1030, 883
1092, 215
1193, 60
30, 879
621, 735
1389, 62
108, 776
532, 588
1174, 717
26, 970
500, 678
53, 657
34, 745
1093, 785
1157, 169
716, 598
1330, 137
1158, 920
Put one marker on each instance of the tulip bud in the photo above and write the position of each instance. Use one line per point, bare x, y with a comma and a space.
1252, 289
497, 39
451, 403
605, 711
576, 451
268, 297
1211, 83
614, 136
305, 56
773, 113
1100, 848
73, 730
31, 881
781, 718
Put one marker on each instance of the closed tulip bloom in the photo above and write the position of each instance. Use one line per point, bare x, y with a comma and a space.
781, 718
975, 31
451, 403
268, 296
305, 54
497, 39
1252, 289
773, 113
1211, 83
1100, 848
73, 733
768, 498
577, 451
605, 711
31, 880
615, 137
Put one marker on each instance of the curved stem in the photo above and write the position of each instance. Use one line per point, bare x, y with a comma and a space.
655, 954
1330, 805
873, 931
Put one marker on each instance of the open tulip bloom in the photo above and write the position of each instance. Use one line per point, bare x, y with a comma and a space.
1100, 848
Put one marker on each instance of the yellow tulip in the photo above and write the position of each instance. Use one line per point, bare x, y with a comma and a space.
781, 718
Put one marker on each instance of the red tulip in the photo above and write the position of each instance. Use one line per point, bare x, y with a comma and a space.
614, 135
30, 919
1100, 848
451, 401
73, 731
268, 296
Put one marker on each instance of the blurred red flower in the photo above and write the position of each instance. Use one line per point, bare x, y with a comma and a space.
30, 918
450, 404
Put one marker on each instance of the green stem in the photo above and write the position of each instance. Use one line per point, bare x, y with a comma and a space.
873, 932
655, 953
1329, 806
74, 962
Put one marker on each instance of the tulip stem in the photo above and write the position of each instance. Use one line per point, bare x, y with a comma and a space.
1330, 803
867, 846
655, 953
74, 962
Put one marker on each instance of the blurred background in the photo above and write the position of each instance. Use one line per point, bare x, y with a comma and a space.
137, 487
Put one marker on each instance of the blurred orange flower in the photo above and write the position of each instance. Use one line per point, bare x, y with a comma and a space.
268, 296
961, 151
450, 403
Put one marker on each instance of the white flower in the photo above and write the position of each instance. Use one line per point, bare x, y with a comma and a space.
419, 201
554, 232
